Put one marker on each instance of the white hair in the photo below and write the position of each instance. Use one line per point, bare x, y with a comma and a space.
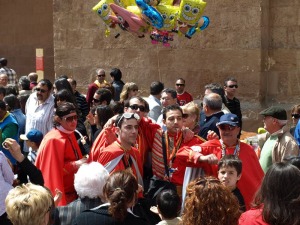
282, 122
90, 179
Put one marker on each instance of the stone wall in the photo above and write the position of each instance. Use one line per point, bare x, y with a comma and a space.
25, 26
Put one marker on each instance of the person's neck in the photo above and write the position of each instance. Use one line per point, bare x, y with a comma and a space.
125, 146
230, 143
180, 93
230, 96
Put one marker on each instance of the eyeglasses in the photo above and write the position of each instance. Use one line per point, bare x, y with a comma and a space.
128, 116
180, 85
296, 116
70, 118
233, 86
185, 115
96, 100
136, 107
40, 90
101, 75
226, 127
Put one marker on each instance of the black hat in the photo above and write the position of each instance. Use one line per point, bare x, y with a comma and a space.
276, 112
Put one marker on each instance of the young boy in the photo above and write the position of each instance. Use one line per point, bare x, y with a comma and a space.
168, 207
229, 173
33, 140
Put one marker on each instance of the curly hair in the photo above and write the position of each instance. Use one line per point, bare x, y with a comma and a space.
208, 202
120, 190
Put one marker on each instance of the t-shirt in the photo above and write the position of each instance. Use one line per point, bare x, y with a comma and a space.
265, 159
184, 98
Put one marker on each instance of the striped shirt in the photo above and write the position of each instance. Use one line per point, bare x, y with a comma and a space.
39, 117
11, 74
32, 156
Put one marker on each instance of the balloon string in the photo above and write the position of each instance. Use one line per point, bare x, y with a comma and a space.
159, 75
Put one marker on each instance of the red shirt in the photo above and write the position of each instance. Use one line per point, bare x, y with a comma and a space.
184, 98
252, 217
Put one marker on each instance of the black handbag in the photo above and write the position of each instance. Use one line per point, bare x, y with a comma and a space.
157, 185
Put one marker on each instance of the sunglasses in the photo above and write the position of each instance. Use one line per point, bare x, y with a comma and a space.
181, 85
70, 118
185, 115
96, 100
226, 127
136, 107
40, 90
101, 75
233, 86
296, 116
128, 116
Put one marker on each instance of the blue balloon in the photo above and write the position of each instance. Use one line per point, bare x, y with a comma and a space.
151, 13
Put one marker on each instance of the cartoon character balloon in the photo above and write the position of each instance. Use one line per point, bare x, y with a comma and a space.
169, 14
104, 11
150, 14
190, 11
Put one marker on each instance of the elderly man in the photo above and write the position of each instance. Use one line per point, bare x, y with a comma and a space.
11, 74
229, 128
93, 87
3, 79
279, 143
212, 105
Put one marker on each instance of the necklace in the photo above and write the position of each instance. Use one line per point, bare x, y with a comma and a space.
236, 150
171, 151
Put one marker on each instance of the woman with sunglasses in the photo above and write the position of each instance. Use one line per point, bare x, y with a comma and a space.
59, 154
295, 114
190, 116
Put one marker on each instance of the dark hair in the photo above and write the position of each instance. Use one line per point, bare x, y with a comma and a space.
119, 190
156, 87
46, 82
279, 195
63, 83
3, 62
116, 74
105, 95
168, 203
294, 160
72, 81
229, 79
2, 90
139, 98
170, 91
63, 76
2, 105
64, 109
170, 108
24, 82
231, 161
104, 113
64, 95
117, 107
12, 89
12, 102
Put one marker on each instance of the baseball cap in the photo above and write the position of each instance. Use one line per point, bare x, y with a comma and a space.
230, 119
33, 135
276, 112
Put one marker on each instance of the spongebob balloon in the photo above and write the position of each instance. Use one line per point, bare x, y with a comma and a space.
104, 11
169, 14
125, 3
190, 11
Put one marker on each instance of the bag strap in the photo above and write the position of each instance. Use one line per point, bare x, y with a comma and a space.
163, 142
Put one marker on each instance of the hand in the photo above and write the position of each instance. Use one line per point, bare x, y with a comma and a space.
110, 122
14, 148
83, 140
80, 162
57, 197
210, 159
211, 135
154, 209
90, 118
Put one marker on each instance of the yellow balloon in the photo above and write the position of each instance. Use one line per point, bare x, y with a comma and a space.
169, 13
104, 11
190, 11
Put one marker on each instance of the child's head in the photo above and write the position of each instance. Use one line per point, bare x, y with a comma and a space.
168, 204
230, 170
33, 138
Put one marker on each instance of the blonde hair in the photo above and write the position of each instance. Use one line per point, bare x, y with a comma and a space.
193, 108
129, 86
28, 204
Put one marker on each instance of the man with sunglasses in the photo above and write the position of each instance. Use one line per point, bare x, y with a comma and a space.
183, 97
279, 143
102, 96
40, 108
229, 128
93, 87
231, 102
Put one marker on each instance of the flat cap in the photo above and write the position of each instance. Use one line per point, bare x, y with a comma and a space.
276, 112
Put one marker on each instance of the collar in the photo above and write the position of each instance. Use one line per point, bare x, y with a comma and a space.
60, 128
6, 115
212, 115
118, 143
98, 83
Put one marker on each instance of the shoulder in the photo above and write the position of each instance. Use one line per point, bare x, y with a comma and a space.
252, 217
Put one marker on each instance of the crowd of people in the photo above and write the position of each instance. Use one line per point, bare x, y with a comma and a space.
111, 156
